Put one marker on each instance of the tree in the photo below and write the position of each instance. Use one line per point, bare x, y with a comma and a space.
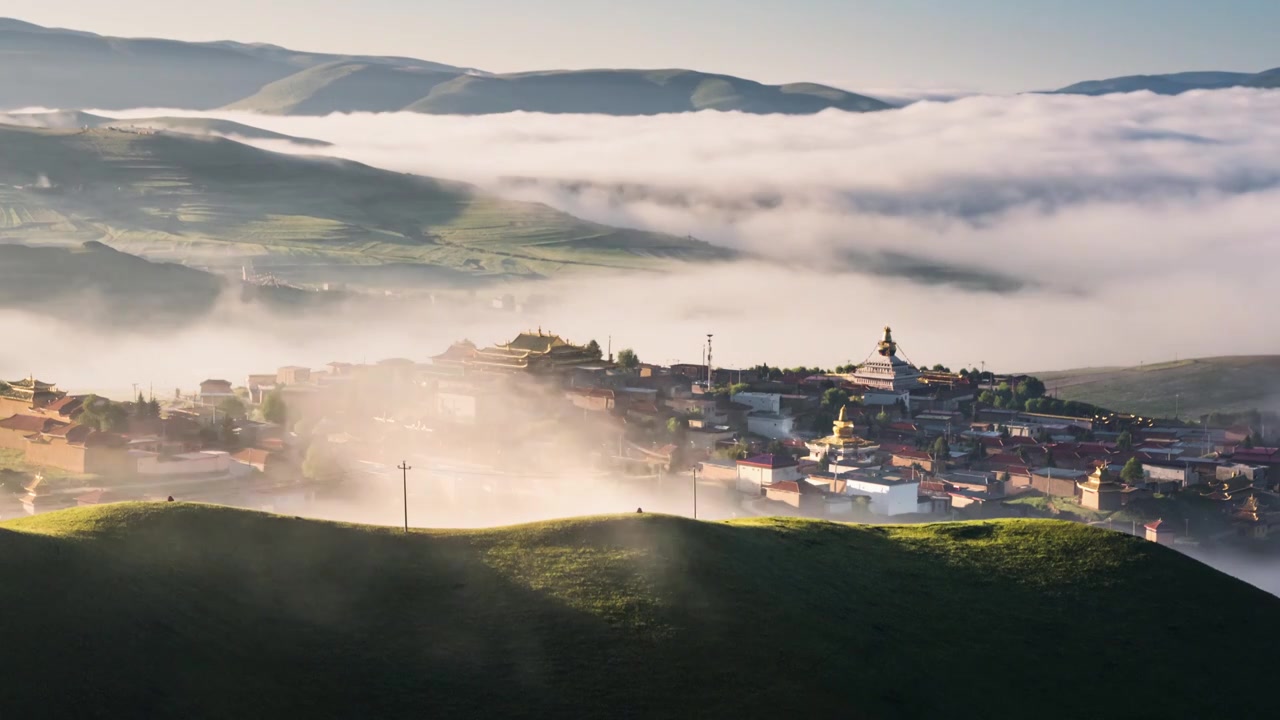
627, 359
677, 425
102, 414
1031, 388
593, 347
1132, 471
153, 408
1248, 442
736, 388
737, 451
227, 433
941, 448
273, 407
141, 408
835, 398
776, 447
319, 463
1124, 441
233, 408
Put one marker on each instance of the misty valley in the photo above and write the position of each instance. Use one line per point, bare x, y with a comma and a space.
570, 374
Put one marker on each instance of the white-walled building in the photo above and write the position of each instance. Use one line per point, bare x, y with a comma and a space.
889, 494
755, 473
760, 402
771, 425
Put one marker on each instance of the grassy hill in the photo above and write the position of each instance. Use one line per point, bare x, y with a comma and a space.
58, 68
174, 610
1173, 83
213, 201
631, 92
1201, 385
76, 120
344, 87
55, 68
349, 87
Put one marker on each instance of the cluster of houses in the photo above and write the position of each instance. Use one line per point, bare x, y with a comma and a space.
146, 456
904, 442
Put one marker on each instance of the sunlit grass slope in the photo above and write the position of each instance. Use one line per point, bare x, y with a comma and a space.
150, 610
185, 198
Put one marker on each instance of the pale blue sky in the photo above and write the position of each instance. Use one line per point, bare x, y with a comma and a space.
997, 45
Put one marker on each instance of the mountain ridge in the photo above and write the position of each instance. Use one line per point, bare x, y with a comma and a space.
1173, 83
59, 68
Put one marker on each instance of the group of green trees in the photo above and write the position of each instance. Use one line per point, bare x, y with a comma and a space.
104, 415
144, 409
765, 372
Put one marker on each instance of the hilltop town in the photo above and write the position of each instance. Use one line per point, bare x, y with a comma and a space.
538, 419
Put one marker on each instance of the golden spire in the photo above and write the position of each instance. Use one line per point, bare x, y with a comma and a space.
843, 417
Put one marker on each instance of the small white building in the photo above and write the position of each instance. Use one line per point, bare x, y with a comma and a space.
760, 402
889, 494
754, 473
771, 425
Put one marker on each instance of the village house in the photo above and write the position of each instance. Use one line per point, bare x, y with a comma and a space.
79, 449
15, 430
214, 392
1058, 482
797, 494
1159, 532
888, 493
766, 416
293, 375
754, 473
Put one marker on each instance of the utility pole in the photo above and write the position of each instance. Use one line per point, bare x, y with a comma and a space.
404, 467
709, 374
695, 492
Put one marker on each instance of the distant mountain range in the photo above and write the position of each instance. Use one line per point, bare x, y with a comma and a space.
1174, 83
57, 68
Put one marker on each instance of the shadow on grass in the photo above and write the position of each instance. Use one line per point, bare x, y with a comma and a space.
196, 611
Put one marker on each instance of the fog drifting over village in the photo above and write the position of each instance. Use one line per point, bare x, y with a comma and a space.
978, 228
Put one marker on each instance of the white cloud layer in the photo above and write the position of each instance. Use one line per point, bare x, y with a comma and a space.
1139, 226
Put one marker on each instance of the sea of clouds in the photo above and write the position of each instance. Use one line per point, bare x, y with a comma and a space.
1030, 231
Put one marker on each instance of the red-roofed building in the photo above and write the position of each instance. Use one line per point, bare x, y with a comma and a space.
1159, 532
257, 458
754, 473
912, 458
15, 430
796, 493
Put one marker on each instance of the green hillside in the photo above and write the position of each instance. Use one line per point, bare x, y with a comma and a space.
94, 285
174, 610
1173, 83
213, 201
344, 87
75, 120
1201, 386
59, 68
631, 92
354, 87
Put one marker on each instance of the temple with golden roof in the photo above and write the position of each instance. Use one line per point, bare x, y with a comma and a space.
535, 353
884, 370
842, 445
1100, 492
